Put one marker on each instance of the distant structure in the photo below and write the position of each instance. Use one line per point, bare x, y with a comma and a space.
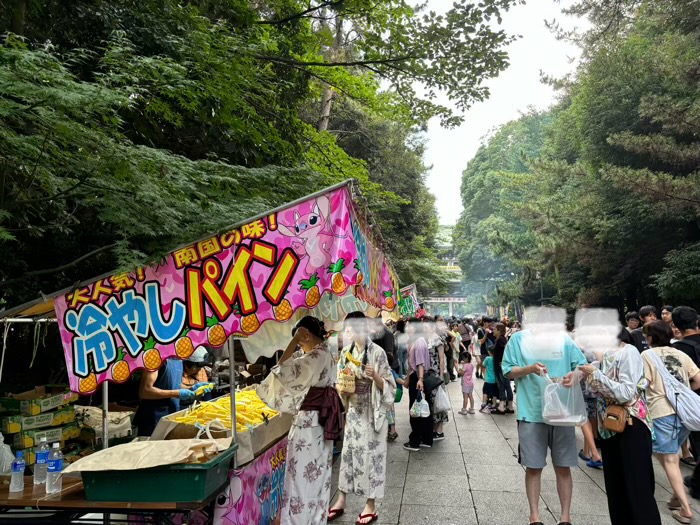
455, 301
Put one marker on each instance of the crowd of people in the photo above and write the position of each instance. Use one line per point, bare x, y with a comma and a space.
350, 398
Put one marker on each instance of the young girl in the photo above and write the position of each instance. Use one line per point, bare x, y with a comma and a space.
467, 384
490, 391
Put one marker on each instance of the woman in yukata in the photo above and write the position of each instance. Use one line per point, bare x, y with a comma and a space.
303, 384
363, 460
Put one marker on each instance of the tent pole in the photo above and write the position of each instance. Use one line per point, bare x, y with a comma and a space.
105, 415
232, 386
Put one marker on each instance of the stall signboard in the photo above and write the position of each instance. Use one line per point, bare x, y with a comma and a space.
408, 301
225, 285
254, 494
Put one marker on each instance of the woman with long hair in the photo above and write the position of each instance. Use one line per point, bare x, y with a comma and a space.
303, 384
437, 368
363, 459
617, 378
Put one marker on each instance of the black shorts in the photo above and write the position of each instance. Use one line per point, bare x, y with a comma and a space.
490, 389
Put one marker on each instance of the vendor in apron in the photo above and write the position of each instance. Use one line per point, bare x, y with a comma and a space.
161, 394
195, 373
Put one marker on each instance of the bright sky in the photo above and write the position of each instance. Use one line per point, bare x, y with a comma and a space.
512, 93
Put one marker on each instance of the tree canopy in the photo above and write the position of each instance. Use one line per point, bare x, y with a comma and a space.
130, 127
603, 200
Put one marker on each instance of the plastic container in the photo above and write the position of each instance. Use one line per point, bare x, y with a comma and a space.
54, 480
42, 462
17, 477
183, 483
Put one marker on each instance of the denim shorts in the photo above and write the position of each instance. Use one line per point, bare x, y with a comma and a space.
670, 435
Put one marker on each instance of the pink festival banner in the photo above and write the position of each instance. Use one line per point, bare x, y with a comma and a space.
226, 285
254, 494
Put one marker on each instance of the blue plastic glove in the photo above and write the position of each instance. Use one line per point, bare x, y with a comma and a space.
206, 384
186, 395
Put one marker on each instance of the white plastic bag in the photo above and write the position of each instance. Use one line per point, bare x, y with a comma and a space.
563, 406
6, 457
442, 401
420, 407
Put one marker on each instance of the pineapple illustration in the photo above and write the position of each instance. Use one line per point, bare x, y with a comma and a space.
313, 294
283, 311
120, 368
183, 346
88, 384
359, 277
389, 301
151, 357
215, 333
250, 323
338, 284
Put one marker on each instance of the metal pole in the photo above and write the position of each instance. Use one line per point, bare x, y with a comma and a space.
105, 415
232, 386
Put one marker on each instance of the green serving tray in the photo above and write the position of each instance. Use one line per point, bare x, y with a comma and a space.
183, 483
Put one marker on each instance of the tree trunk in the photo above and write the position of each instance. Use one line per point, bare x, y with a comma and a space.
19, 17
327, 96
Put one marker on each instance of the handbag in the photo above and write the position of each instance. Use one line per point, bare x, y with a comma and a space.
616, 418
346, 381
431, 382
460, 371
399, 394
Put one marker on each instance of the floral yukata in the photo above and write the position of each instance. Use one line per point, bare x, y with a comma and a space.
307, 482
434, 349
363, 460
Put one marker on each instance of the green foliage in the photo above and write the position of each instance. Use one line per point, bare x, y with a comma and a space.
607, 206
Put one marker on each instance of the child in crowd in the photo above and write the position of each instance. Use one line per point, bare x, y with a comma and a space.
467, 383
391, 413
490, 387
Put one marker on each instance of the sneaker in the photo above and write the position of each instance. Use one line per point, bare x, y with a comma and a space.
410, 447
471, 411
425, 445
438, 436
462, 412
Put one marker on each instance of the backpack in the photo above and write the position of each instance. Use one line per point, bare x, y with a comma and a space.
681, 397
694, 344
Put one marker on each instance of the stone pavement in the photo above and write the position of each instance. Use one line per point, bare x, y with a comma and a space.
473, 477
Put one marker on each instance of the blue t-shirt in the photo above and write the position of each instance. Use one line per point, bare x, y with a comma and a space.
490, 371
530, 387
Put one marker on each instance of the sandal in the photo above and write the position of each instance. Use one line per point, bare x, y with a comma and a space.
334, 514
583, 456
592, 463
680, 518
674, 503
374, 517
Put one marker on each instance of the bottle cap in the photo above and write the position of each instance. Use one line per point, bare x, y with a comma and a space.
20, 454
55, 445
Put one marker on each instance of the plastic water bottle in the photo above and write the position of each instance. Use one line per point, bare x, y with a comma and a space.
54, 480
42, 462
17, 479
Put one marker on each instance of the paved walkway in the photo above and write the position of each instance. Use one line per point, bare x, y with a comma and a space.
473, 477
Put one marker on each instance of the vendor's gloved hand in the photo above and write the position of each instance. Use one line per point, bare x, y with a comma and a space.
186, 395
208, 386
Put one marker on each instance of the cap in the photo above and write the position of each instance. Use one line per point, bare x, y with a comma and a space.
200, 355
20, 454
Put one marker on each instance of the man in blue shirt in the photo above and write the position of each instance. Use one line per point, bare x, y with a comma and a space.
535, 436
